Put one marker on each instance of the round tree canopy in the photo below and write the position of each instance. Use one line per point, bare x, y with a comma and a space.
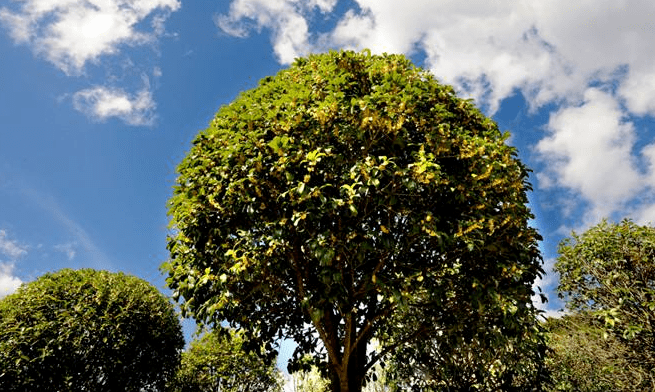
354, 196
88, 330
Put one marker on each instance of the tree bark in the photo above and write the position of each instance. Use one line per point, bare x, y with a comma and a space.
349, 378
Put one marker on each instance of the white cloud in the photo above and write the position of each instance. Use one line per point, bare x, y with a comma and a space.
638, 91
13, 250
589, 150
550, 51
285, 18
549, 278
8, 282
71, 33
646, 215
10, 248
487, 50
101, 103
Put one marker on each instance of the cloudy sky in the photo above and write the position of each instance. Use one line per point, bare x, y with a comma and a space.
99, 100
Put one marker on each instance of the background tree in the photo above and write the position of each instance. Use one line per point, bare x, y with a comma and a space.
87, 330
309, 379
217, 362
582, 359
609, 271
352, 197
479, 358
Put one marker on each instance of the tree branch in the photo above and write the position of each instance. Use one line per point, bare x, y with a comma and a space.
298, 261
419, 331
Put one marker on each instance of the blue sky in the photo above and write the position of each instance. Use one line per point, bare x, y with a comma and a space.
99, 100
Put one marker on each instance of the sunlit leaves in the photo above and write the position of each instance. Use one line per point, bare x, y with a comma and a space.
346, 191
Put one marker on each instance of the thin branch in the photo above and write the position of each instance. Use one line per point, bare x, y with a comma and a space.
369, 324
374, 359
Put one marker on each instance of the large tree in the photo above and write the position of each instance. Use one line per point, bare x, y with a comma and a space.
352, 197
609, 270
88, 330
217, 362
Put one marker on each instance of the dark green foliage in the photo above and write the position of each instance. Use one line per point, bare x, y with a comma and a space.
87, 330
347, 198
609, 271
217, 362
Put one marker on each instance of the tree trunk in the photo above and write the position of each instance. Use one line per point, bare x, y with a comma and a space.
349, 379
346, 383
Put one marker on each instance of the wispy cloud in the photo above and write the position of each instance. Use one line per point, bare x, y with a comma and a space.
81, 243
10, 248
96, 256
69, 249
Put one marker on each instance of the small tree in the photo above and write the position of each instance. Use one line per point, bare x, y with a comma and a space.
352, 197
87, 330
609, 271
217, 362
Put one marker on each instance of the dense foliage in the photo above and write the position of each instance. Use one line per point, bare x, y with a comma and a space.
217, 362
347, 198
87, 330
609, 270
582, 359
